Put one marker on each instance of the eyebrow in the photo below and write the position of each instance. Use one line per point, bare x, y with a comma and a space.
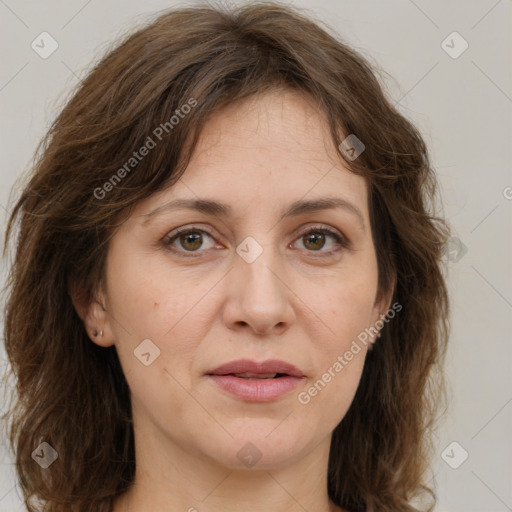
216, 208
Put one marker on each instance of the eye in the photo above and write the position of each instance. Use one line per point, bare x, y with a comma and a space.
190, 239
314, 240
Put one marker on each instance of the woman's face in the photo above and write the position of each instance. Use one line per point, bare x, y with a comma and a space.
263, 278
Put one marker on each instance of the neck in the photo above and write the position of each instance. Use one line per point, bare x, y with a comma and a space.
173, 479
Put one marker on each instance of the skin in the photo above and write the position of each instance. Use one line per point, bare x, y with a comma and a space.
294, 303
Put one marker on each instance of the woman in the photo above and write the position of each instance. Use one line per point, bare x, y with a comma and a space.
227, 290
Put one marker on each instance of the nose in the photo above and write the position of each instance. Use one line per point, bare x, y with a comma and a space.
259, 297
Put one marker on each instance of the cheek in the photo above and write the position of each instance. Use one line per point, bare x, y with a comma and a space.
145, 303
327, 398
146, 297
345, 305
340, 357
172, 308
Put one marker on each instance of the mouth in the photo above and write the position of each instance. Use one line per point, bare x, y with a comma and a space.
248, 369
258, 376
253, 381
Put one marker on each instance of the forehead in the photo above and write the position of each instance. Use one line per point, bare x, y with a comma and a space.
264, 153
283, 123
279, 141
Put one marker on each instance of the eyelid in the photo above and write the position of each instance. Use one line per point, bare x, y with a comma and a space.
185, 229
322, 227
340, 239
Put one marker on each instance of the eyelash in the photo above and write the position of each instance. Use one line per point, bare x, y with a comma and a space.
340, 240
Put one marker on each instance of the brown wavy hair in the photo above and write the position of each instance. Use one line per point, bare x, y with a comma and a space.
71, 393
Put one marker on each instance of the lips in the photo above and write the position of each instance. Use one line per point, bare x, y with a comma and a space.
257, 381
245, 368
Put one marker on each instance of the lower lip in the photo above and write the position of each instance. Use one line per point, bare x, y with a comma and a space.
257, 390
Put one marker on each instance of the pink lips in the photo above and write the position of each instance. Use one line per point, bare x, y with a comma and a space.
257, 382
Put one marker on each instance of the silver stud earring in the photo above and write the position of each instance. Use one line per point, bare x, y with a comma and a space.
96, 333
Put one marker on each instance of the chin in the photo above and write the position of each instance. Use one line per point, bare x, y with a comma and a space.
261, 448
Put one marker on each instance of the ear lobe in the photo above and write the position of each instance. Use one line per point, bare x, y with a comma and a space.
92, 314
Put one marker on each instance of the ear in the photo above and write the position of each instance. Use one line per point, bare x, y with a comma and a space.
93, 314
381, 307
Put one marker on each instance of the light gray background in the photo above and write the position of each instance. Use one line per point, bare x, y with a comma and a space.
463, 108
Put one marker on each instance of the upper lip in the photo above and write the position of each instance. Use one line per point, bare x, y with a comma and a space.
263, 367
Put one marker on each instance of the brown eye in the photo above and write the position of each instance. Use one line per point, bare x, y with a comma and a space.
189, 240
315, 239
